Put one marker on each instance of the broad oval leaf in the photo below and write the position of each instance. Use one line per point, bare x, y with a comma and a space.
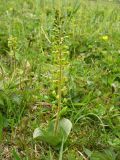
66, 125
52, 138
37, 133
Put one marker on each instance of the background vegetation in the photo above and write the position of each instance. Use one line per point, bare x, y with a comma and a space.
90, 86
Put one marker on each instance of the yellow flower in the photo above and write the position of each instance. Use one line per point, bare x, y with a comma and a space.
105, 38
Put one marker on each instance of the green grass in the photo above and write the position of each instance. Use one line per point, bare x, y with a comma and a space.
90, 86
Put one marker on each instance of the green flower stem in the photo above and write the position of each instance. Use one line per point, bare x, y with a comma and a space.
59, 91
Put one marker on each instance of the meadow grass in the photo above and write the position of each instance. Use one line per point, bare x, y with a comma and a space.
90, 87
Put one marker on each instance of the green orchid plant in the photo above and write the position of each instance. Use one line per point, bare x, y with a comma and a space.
59, 128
